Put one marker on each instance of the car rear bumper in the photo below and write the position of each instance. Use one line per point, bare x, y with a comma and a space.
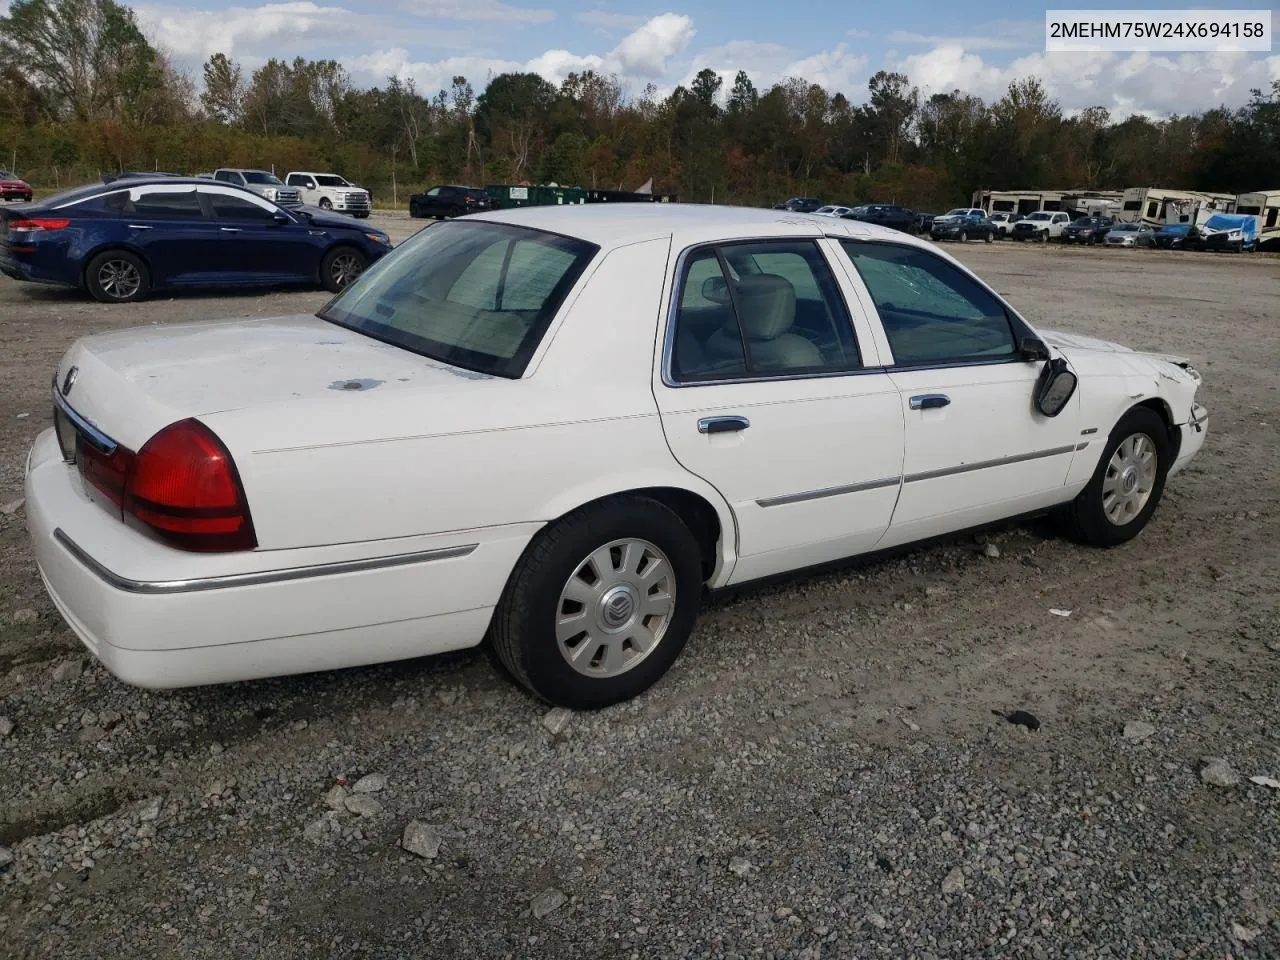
162, 618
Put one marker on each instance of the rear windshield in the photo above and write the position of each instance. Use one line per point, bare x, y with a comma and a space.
472, 294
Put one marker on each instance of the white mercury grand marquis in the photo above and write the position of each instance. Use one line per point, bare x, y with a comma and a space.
552, 428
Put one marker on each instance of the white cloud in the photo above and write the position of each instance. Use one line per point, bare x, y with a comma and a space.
858, 34
1153, 84
645, 52
768, 63
607, 20
969, 43
483, 10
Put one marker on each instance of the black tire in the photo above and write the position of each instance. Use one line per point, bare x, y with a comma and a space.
1044, 236
117, 276
988, 237
415, 212
523, 628
325, 204
1084, 519
337, 266
455, 212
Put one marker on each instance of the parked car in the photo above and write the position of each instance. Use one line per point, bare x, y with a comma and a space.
449, 200
264, 184
832, 211
1087, 230
963, 223
1043, 225
123, 240
1226, 231
219, 502
1173, 236
800, 204
328, 191
924, 222
1003, 223
14, 188
885, 215
1131, 235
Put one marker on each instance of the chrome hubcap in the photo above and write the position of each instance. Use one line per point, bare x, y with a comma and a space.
615, 608
346, 267
119, 279
1130, 478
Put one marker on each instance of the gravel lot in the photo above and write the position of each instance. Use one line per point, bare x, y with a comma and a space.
822, 775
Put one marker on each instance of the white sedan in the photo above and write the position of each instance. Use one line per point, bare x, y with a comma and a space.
552, 428
832, 211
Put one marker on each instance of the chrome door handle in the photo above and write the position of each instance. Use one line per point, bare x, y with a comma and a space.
138, 226
230, 229
929, 401
722, 424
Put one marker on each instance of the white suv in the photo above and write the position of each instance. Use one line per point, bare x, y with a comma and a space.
328, 191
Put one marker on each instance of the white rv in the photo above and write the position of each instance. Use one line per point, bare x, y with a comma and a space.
1157, 207
1018, 202
1265, 205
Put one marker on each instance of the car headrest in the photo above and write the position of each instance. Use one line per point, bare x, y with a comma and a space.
768, 305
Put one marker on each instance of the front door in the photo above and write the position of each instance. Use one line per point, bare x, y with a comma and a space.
169, 227
976, 447
766, 392
256, 246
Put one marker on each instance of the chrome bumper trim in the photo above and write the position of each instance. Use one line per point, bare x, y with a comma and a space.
195, 585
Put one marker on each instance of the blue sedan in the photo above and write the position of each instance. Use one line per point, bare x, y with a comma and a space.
124, 238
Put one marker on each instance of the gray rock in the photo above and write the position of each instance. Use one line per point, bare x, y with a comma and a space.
740, 866
336, 798
557, 719
547, 902
1217, 772
992, 551
149, 809
13, 506
25, 615
6, 727
363, 805
953, 882
421, 839
372, 783
1135, 731
877, 921
6, 857
317, 830
68, 669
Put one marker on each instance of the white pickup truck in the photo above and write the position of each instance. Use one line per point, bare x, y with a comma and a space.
329, 191
1043, 225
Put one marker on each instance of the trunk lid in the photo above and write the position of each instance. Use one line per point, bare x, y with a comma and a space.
130, 383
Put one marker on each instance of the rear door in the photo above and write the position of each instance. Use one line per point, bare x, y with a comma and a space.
977, 449
256, 246
167, 224
770, 389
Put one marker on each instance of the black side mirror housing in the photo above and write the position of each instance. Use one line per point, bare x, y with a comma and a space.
1055, 387
279, 217
1033, 349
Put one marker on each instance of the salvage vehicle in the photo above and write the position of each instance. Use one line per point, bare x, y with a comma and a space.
1003, 222
1173, 236
127, 238
1042, 225
406, 472
1226, 231
799, 204
963, 223
885, 215
449, 200
832, 211
1131, 235
14, 188
1089, 230
261, 182
329, 191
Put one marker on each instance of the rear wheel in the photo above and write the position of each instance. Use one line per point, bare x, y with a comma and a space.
455, 212
988, 236
117, 276
340, 268
325, 203
1127, 485
601, 604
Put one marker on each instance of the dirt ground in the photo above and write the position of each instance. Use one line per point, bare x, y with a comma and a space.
808, 780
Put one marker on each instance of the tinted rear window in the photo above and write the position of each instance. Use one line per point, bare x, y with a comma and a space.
475, 295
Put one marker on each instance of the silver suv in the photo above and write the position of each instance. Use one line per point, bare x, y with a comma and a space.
261, 182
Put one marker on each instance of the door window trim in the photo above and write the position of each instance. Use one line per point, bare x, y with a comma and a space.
1018, 327
673, 314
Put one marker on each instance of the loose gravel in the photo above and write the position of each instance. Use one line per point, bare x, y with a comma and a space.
833, 768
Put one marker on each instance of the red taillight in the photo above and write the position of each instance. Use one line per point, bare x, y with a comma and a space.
37, 223
184, 488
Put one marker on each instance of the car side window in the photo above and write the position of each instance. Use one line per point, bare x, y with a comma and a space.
433, 192
296, 180
168, 204
932, 312
227, 207
775, 312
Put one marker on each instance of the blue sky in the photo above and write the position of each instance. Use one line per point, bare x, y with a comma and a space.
976, 46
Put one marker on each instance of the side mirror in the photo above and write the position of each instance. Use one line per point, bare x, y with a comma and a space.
1055, 387
1033, 349
280, 218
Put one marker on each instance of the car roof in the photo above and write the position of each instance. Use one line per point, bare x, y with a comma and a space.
616, 224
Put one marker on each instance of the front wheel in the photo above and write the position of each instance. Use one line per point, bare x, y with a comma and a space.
340, 268
601, 604
988, 237
117, 276
325, 203
1127, 485
964, 236
1044, 236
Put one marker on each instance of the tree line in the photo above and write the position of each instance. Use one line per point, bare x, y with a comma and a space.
83, 92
